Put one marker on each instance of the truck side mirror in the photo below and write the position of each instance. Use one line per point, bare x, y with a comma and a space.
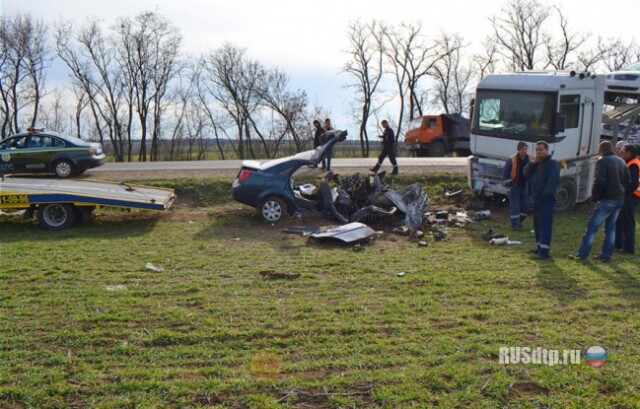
559, 124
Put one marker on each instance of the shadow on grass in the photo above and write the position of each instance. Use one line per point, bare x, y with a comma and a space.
557, 282
628, 284
29, 230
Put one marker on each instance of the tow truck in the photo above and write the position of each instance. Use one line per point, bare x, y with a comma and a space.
564, 109
59, 204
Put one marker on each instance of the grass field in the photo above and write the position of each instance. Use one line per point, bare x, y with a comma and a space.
246, 316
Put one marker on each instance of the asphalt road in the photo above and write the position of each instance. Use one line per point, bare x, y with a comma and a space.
147, 170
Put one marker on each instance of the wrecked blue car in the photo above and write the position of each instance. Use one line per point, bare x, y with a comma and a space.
268, 186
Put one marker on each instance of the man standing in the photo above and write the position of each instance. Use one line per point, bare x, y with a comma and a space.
517, 184
612, 177
388, 142
329, 152
626, 223
544, 175
317, 139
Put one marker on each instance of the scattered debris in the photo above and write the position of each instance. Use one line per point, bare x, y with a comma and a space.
348, 233
151, 267
401, 274
272, 275
439, 235
301, 230
118, 287
358, 248
401, 231
499, 241
481, 215
423, 243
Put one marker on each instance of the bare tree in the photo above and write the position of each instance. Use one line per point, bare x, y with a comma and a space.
559, 52
148, 45
365, 67
232, 80
451, 74
288, 106
485, 62
25, 58
518, 32
97, 75
617, 54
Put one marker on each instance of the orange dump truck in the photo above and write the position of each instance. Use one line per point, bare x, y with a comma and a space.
438, 135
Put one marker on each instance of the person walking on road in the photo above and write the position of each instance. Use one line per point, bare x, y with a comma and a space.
515, 180
612, 177
626, 223
543, 173
388, 144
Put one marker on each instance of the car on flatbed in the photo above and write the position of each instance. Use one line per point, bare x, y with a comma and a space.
40, 151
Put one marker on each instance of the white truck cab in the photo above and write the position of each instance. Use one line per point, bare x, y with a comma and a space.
561, 108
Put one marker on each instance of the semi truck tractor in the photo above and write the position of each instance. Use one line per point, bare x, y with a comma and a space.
564, 109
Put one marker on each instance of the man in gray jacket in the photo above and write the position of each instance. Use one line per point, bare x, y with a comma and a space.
612, 177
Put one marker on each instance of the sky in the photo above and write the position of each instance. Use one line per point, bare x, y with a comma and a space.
308, 38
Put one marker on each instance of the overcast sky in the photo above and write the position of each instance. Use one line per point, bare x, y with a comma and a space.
307, 38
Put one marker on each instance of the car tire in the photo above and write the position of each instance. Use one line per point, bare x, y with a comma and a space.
63, 168
56, 216
272, 209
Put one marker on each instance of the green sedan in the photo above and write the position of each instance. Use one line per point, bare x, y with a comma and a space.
37, 151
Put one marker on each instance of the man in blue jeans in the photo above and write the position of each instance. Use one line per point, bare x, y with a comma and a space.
516, 182
612, 177
544, 175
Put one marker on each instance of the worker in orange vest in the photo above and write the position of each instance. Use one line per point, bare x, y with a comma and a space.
517, 184
626, 224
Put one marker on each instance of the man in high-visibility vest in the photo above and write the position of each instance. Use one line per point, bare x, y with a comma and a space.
517, 184
626, 224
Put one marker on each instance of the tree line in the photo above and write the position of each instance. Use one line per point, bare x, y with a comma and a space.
132, 88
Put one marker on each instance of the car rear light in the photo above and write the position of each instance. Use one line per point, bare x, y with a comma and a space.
244, 175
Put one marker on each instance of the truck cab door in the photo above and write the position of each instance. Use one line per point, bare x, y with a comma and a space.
578, 109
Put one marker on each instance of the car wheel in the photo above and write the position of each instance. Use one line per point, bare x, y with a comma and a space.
56, 216
272, 209
63, 168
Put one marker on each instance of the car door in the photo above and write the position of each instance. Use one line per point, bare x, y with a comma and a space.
12, 154
36, 154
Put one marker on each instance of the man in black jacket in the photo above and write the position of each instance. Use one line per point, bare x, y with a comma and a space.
612, 177
388, 143
317, 139
515, 180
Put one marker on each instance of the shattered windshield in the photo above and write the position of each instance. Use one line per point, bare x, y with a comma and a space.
515, 114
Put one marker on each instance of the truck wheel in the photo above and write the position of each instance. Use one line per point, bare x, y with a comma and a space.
272, 209
437, 150
566, 195
56, 216
63, 168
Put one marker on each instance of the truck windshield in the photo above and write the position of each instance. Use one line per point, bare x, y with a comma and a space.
520, 115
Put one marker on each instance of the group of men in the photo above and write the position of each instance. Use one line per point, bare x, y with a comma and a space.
616, 191
388, 145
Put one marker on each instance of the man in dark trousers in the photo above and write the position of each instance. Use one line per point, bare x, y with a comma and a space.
317, 139
516, 182
544, 175
612, 177
388, 143
626, 223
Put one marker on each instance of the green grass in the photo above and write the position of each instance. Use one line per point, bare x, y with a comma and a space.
212, 331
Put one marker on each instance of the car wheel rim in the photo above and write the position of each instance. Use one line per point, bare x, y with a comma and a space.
55, 215
272, 211
63, 169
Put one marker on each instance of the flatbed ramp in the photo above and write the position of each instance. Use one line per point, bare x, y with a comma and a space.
59, 203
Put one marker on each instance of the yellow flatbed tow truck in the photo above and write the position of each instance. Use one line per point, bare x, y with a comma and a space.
61, 203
